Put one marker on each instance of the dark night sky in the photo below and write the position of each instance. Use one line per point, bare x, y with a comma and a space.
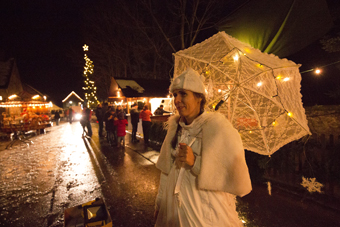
41, 35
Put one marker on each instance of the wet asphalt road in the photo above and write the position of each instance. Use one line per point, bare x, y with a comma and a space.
61, 170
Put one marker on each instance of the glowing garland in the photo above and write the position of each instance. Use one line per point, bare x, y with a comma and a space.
89, 88
25, 104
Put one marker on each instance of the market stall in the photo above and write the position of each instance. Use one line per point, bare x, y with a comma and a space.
21, 118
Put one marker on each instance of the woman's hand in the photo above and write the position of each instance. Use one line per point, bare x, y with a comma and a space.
185, 155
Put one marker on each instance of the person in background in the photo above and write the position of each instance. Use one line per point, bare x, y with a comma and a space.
83, 123
106, 116
202, 162
66, 112
70, 115
134, 113
160, 110
120, 123
87, 113
146, 123
100, 119
109, 126
57, 117
105, 108
120, 109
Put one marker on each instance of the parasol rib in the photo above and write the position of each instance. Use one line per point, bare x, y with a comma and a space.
258, 120
265, 96
203, 61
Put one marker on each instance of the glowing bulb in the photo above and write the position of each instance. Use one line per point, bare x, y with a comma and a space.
290, 114
207, 72
317, 71
279, 77
286, 79
235, 57
246, 49
250, 132
274, 123
219, 90
259, 84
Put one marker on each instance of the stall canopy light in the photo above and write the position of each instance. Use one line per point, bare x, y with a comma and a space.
12, 96
35, 97
25, 104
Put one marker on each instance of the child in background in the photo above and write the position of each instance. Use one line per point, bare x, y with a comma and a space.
121, 123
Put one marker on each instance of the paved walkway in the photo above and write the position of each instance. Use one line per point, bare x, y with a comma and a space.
128, 180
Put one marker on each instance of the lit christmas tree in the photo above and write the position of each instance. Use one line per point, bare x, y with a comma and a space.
89, 88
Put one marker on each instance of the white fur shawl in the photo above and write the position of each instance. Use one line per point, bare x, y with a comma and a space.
223, 166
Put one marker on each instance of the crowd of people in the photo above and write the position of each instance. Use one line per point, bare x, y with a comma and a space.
115, 121
113, 118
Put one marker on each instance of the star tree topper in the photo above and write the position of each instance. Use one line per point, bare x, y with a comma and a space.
86, 47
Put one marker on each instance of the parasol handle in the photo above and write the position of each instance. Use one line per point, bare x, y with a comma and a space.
219, 104
181, 172
225, 98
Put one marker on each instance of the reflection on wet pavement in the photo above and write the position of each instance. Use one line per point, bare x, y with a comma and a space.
61, 170
37, 182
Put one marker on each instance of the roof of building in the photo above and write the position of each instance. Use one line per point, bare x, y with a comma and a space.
71, 95
6, 68
144, 88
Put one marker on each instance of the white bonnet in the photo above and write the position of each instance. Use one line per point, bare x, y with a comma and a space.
189, 80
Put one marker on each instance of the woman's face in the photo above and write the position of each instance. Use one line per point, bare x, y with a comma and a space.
187, 104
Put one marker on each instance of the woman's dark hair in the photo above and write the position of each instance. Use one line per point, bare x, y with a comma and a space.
202, 105
145, 107
203, 101
175, 138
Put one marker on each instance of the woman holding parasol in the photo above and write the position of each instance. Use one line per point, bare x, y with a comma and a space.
202, 162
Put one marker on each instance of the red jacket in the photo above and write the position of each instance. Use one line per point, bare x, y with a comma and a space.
121, 124
145, 115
